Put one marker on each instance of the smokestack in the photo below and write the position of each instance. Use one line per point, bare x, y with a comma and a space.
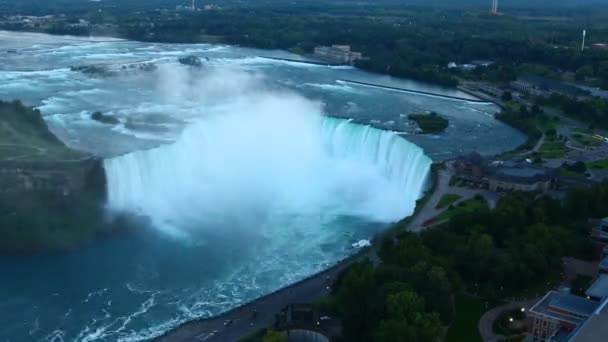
584, 35
193, 6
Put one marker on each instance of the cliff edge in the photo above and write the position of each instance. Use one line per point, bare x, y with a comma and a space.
50, 195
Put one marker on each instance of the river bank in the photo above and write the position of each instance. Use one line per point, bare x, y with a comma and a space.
152, 263
260, 313
206, 39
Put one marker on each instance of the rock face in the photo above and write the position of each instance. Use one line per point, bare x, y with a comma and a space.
93, 70
65, 178
50, 196
103, 118
191, 61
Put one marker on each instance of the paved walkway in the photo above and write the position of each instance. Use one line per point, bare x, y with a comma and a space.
245, 322
488, 318
443, 187
536, 147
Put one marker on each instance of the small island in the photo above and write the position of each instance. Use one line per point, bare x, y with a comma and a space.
192, 61
104, 118
431, 123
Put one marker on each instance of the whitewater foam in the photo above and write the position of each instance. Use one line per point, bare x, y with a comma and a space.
258, 157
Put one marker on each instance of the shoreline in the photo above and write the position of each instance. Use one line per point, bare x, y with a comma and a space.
116, 38
305, 290
309, 287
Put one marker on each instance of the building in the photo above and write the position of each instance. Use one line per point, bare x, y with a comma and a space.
521, 177
599, 236
504, 175
564, 317
471, 165
602, 267
338, 54
483, 64
598, 290
557, 315
595, 328
302, 323
599, 46
542, 86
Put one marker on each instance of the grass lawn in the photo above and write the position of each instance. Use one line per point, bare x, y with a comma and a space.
552, 149
601, 164
552, 145
447, 199
583, 131
586, 140
544, 123
470, 205
464, 327
570, 173
257, 336
553, 154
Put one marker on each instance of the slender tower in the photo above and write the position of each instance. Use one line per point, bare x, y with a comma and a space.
494, 9
193, 6
584, 35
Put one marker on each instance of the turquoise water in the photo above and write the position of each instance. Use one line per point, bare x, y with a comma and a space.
247, 185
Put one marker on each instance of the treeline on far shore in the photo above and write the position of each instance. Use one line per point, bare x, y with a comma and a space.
416, 43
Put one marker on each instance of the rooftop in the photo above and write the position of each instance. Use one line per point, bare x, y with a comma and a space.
551, 85
561, 335
572, 308
604, 262
599, 288
521, 173
595, 328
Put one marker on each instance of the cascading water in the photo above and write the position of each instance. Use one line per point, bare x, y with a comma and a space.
261, 161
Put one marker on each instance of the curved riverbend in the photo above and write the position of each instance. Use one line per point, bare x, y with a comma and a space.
252, 188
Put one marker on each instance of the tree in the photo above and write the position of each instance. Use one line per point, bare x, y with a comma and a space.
506, 96
355, 301
274, 336
407, 321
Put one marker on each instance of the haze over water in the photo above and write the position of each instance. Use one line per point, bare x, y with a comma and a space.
253, 187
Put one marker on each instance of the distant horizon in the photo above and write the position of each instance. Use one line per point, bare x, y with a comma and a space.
423, 3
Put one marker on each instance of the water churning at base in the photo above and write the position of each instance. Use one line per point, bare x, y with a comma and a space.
255, 158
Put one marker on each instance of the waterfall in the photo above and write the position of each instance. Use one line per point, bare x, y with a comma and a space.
232, 165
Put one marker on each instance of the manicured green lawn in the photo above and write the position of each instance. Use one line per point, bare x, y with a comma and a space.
464, 327
470, 205
447, 199
601, 164
552, 154
552, 149
570, 173
583, 131
586, 140
552, 145
257, 336
544, 123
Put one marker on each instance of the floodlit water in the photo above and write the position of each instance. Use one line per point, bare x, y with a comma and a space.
248, 184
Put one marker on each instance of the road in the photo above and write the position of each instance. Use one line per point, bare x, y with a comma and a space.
429, 210
266, 307
488, 318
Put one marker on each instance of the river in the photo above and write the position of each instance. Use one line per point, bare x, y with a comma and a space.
254, 173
